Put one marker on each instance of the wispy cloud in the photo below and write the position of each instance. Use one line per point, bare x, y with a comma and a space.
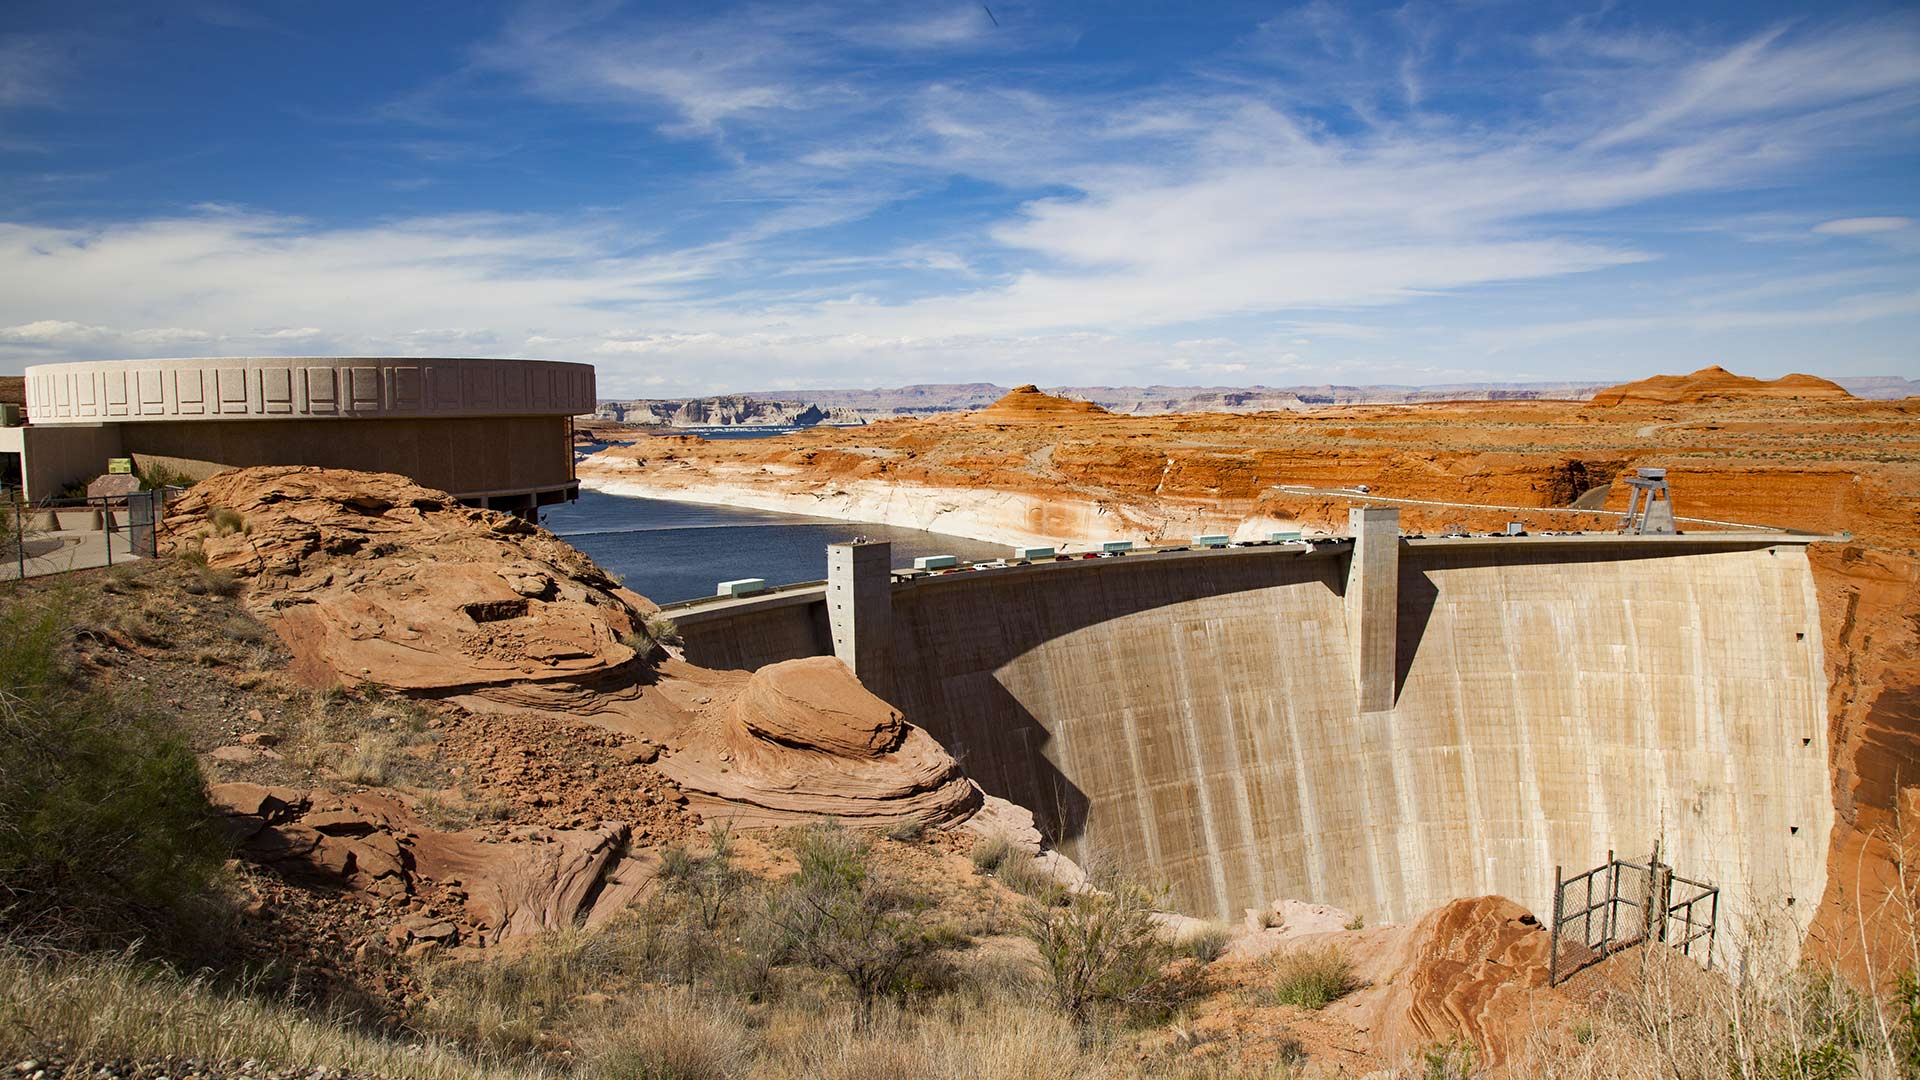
31, 68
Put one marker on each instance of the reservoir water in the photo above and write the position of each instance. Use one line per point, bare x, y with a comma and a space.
668, 551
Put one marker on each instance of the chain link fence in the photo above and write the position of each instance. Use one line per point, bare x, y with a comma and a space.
1621, 904
57, 535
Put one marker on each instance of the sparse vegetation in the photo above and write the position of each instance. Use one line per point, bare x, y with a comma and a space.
1312, 978
104, 829
990, 851
839, 916
227, 522
1205, 942
115, 1006
154, 474
1104, 954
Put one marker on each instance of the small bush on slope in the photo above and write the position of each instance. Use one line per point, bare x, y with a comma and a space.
1103, 951
838, 916
1313, 978
105, 832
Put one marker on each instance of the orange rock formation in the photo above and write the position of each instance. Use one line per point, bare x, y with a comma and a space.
371, 578
804, 739
1716, 384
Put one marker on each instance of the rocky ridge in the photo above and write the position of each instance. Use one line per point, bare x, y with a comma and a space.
1717, 384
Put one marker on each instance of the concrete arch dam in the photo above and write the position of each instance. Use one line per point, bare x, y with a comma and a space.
1381, 725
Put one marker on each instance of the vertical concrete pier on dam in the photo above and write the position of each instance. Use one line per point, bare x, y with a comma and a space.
1201, 716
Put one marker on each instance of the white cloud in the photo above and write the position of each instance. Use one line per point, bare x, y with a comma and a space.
1863, 226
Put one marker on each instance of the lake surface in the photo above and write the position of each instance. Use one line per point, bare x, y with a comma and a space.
668, 551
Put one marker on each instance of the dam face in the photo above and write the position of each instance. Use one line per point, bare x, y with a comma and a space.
1198, 719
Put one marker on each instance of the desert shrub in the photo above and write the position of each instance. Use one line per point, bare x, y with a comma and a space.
1026, 875
1447, 1061
104, 826
659, 628
1906, 1022
709, 883
1102, 951
906, 830
1312, 978
373, 759
838, 916
226, 522
990, 851
156, 475
1205, 942
669, 1035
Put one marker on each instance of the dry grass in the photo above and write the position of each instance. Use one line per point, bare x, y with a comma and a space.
1312, 978
1204, 942
111, 1006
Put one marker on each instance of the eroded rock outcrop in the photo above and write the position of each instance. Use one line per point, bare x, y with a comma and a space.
1474, 969
464, 888
803, 739
1029, 404
370, 576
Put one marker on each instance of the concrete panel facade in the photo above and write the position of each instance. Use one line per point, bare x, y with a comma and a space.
1199, 719
486, 430
268, 387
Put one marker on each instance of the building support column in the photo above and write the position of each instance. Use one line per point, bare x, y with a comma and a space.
1373, 600
860, 611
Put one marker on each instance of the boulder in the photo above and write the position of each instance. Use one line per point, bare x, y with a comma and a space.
802, 740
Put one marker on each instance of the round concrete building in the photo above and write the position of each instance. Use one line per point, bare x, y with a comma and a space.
496, 433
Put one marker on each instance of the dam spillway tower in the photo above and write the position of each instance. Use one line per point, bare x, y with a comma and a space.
1654, 516
1372, 598
860, 611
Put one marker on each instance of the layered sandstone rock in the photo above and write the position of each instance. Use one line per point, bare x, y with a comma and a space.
479, 889
1030, 405
1474, 969
803, 739
373, 579
370, 576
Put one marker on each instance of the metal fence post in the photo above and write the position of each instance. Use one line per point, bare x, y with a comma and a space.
1613, 904
1553, 948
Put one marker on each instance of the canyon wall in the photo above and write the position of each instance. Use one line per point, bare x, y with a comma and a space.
1195, 717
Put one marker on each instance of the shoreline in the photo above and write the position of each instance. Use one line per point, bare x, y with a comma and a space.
995, 517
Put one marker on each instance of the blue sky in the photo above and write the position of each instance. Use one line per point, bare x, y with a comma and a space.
711, 197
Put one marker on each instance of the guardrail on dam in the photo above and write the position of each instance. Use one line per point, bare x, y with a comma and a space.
1268, 722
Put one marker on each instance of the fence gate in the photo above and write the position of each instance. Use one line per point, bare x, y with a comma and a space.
1620, 904
143, 514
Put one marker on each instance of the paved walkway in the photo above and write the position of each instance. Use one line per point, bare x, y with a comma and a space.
59, 552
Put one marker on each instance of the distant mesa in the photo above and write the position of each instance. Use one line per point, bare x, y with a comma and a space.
1029, 404
1718, 384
